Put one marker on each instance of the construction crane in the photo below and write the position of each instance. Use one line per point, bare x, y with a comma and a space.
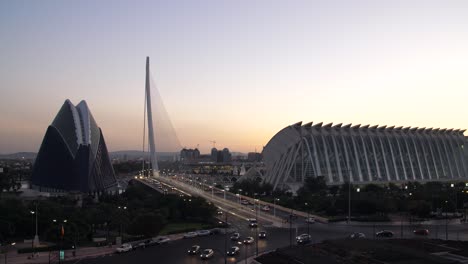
214, 143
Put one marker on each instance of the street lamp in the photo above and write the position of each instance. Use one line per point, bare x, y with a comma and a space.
308, 218
256, 228
274, 206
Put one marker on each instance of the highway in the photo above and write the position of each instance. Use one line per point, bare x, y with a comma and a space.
277, 236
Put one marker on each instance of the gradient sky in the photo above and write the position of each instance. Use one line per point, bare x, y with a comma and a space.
233, 71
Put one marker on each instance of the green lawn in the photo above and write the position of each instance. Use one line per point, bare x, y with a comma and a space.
174, 228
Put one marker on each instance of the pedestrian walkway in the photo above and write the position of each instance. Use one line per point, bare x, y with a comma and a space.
13, 257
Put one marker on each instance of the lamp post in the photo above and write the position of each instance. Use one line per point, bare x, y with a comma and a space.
308, 218
6, 250
274, 206
256, 228
349, 197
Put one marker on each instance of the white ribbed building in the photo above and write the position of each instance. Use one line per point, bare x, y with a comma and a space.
364, 154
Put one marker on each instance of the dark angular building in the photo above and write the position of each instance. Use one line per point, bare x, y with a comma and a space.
73, 155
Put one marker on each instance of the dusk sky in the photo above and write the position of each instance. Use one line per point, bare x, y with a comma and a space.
232, 71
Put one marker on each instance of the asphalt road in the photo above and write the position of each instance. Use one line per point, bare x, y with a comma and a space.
176, 251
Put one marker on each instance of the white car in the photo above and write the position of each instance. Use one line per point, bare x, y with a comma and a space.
162, 240
124, 248
203, 232
207, 253
310, 220
249, 240
190, 234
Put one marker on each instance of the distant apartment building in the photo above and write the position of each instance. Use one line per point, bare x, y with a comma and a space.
364, 154
189, 154
254, 156
221, 156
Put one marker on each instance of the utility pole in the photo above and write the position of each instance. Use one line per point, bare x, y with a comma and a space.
256, 228
225, 237
349, 197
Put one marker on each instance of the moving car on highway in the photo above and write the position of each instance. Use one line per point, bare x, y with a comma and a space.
233, 251
357, 235
421, 232
384, 233
207, 253
195, 249
249, 240
235, 236
262, 234
303, 239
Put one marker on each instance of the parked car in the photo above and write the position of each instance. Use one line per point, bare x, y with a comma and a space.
421, 232
195, 249
190, 234
357, 235
233, 251
310, 220
244, 202
203, 232
235, 236
150, 242
249, 240
207, 253
266, 208
162, 240
384, 233
262, 234
124, 248
139, 245
303, 239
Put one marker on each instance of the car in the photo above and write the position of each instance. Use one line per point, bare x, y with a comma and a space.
253, 222
219, 212
421, 232
190, 234
266, 208
207, 253
303, 239
244, 202
235, 236
124, 248
233, 251
203, 232
248, 240
139, 245
150, 242
162, 240
384, 233
310, 220
357, 235
262, 234
195, 249
293, 216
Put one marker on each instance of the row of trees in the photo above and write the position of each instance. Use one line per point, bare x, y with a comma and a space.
138, 212
418, 199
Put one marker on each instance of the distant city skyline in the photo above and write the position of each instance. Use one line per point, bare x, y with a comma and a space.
232, 71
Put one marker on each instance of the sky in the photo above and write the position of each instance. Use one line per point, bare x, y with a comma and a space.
235, 72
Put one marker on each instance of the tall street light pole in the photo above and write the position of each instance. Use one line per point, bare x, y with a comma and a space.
308, 219
349, 196
274, 206
256, 228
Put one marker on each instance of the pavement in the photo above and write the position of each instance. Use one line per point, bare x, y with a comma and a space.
80, 253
